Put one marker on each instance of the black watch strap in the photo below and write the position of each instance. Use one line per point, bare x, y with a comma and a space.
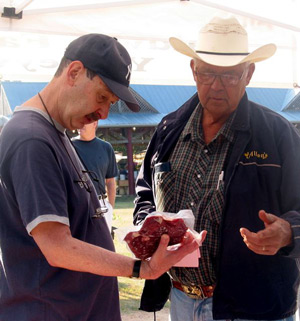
136, 269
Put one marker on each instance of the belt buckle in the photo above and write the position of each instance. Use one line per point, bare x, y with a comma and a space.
193, 291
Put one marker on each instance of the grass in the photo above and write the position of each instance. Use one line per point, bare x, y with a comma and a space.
124, 202
130, 289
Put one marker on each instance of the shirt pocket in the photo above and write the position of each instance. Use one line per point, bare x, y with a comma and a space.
212, 215
164, 181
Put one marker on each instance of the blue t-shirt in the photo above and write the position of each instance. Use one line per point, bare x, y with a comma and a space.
98, 157
39, 183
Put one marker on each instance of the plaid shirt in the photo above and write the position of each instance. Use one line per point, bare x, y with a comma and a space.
193, 183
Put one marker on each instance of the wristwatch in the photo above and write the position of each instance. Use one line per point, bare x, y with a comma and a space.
136, 269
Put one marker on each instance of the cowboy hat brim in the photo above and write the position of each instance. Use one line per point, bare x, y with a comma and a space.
224, 60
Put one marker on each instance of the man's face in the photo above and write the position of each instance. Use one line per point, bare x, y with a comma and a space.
88, 100
218, 99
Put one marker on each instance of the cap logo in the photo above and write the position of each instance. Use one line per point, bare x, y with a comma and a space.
129, 67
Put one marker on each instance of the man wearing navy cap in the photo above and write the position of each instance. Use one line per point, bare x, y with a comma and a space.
57, 255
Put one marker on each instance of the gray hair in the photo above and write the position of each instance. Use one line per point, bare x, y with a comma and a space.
65, 63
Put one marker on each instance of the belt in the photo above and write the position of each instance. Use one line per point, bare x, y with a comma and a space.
195, 291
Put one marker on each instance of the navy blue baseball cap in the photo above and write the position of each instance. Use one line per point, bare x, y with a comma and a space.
107, 58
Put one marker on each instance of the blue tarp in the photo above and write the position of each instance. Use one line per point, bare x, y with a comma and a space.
164, 99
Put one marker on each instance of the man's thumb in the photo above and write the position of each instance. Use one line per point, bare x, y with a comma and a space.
266, 218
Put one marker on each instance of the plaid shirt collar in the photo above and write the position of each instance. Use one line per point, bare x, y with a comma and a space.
193, 129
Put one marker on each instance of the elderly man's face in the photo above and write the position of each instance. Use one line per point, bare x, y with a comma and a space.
221, 95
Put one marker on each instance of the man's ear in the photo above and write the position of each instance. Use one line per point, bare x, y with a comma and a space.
192, 65
250, 72
75, 69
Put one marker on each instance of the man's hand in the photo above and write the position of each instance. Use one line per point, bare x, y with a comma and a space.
269, 241
164, 258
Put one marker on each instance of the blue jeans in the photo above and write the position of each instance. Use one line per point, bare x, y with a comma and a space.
184, 308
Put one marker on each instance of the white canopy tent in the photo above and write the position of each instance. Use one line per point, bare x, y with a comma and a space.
5, 109
34, 34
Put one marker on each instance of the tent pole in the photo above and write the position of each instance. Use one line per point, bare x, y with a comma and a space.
130, 162
22, 5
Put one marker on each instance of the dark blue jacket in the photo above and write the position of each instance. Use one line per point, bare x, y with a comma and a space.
262, 172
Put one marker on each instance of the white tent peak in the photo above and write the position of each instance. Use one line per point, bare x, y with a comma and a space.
31, 47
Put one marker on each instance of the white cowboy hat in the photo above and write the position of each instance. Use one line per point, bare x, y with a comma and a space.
223, 42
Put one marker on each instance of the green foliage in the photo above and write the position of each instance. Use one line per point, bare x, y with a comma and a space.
137, 148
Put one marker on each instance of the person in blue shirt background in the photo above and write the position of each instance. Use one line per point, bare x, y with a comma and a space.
99, 159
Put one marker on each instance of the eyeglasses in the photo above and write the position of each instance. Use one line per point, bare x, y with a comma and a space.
227, 80
100, 211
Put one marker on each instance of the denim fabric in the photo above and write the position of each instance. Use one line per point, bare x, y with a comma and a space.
187, 309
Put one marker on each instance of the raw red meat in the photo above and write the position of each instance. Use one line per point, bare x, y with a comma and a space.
144, 242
